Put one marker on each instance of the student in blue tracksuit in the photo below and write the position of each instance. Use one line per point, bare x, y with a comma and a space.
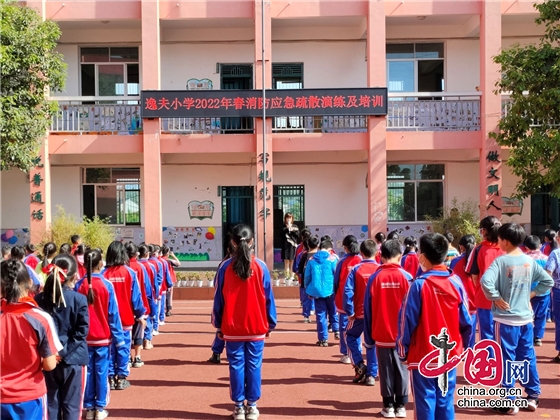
143, 255
154, 249
67, 382
244, 282
18, 253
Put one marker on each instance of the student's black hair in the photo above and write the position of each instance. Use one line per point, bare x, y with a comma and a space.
131, 249
151, 249
143, 251
74, 239
351, 243
6, 250
434, 246
532, 242
15, 280
393, 235
17, 252
410, 244
326, 238
241, 235
91, 260
65, 249
157, 248
550, 234
449, 236
468, 242
491, 224
48, 252
53, 285
368, 248
29, 247
80, 250
326, 244
390, 249
230, 250
313, 243
164, 250
513, 233
380, 237
304, 235
116, 254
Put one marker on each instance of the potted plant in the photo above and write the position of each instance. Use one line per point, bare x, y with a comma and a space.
198, 279
179, 279
275, 278
191, 279
210, 276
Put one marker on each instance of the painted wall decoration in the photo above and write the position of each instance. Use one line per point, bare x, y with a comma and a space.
199, 84
201, 209
409, 229
126, 234
13, 237
339, 232
194, 243
512, 206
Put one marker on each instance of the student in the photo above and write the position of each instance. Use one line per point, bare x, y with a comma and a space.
435, 301
69, 309
301, 249
379, 239
553, 268
541, 303
172, 261
159, 279
332, 314
79, 253
49, 252
385, 292
319, 285
478, 262
131, 312
452, 252
343, 268
28, 346
6, 252
144, 254
457, 265
311, 246
409, 260
65, 249
167, 282
290, 233
507, 284
550, 242
18, 253
76, 241
244, 281
353, 305
105, 327
31, 259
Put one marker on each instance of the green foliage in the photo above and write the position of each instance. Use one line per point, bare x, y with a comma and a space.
459, 219
98, 233
531, 126
30, 67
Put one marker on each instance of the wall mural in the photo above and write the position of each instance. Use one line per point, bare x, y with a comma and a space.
194, 243
13, 237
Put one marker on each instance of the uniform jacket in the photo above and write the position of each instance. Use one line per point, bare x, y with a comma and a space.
150, 304
410, 263
355, 288
343, 268
152, 273
458, 266
127, 292
159, 274
480, 259
319, 274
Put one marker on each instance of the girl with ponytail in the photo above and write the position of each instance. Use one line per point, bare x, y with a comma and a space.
104, 328
28, 346
69, 309
550, 243
49, 251
409, 260
243, 281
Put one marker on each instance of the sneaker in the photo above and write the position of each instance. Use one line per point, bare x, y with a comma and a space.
137, 363
112, 383
161, 323
506, 410
155, 332
313, 313
330, 329
537, 342
322, 343
369, 381
148, 345
238, 413
168, 314
215, 358
101, 414
122, 383
400, 412
337, 336
251, 413
345, 360
306, 320
90, 414
388, 412
532, 404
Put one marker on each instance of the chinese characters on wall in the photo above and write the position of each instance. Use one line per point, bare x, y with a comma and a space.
37, 203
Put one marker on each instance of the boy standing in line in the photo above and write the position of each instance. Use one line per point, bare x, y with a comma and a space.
507, 283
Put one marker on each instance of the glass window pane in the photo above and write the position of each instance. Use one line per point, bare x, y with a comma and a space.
429, 50
430, 171
400, 171
132, 79
111, 80
430, 199
400, 76
98, 175
108, 204
94, 55
132, 205
400, 51
127, 54
400, 201
88, 79
125, 175
430, 76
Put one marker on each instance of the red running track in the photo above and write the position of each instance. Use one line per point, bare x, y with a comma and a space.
300, 380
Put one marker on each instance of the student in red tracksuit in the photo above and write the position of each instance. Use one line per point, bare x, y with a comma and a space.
131, 311
550, 242
143, 255
353, 305
409, 260
343, 268
166, 284
385, 292
79, 255
28, 346
436, 305
244, 282
172, 261
478, 262
30, 258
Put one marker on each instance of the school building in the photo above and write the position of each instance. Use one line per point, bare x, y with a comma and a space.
185, 181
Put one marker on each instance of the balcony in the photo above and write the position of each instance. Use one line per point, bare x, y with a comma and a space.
506, 108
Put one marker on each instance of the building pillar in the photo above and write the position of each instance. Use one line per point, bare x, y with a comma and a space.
264, 167
151, 181
491, 157
377, 150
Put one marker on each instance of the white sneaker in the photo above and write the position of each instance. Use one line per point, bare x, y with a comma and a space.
155, 332
400, 412
161, 322
251, 413
90, 414
312, 313
238, 413
101, 414
388, 412
346, 360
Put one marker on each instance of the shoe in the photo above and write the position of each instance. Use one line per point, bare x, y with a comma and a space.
215, 358
238, 413
360, 372
122, 383
251, 413
337, 336
532, 404
313, 313
330, 329
168, 314
101, 414
161, 323
369, 381
388, 412
137, 363
506, 410
306, 320
345, 360
90, 414
148, 345
112, 383
322, 343
537, 342
155, 332
400, 412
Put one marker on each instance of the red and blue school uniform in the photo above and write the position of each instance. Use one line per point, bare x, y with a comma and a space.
171, 264
152, 274
553, 267
353, 304
131, 309
540, 304
384, 295
166, 285
31, 260
218, 344
410, 263
105, 327
27, 334
307, 304
479, 261
343, 269
458, 266
244, 330
159, 280
150, 305
66, 384
546, 249
435, 300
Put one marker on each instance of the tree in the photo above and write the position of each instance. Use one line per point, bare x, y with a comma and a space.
530, 126
29, 68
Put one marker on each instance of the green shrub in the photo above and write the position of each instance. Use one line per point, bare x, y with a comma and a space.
459, 219
98, 233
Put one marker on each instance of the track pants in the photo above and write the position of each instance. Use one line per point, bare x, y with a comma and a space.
393, 377
97, 383
66, 385
540, 307
429, 402
307, 303
342, 324
120, 356
34, 409
353, 335
245, 369
218, 345
485, 324
556, 315
149, 329
321, 318
163, 307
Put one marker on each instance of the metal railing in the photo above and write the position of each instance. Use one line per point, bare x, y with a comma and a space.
210, 125
506, 108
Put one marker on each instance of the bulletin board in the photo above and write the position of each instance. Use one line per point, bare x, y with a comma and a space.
339, 232
194, 243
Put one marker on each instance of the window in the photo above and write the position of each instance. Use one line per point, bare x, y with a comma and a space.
110, 71
415, 67
414, 191
112, 193
234, 77
287, 76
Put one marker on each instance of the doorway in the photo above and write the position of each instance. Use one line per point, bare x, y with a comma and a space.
238, 206
545, 212
287, 199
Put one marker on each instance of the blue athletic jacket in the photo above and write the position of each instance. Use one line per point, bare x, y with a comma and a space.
319, 274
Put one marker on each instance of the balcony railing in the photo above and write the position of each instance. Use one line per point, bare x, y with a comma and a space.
213, 125
506, 107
